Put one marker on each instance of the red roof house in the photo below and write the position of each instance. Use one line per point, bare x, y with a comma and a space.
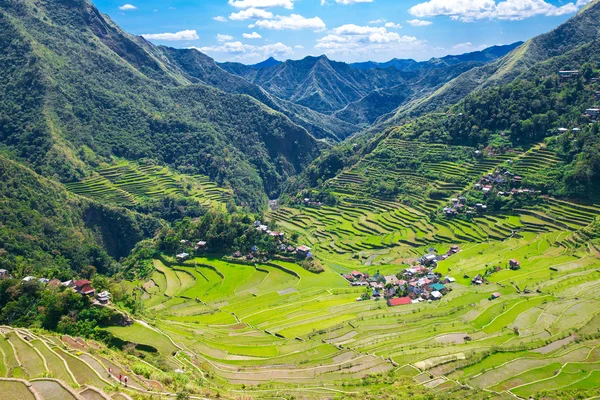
85, 287
397, 301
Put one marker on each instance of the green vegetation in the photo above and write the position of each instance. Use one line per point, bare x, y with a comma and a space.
137, 167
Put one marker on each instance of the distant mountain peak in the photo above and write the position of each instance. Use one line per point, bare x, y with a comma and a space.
269, 62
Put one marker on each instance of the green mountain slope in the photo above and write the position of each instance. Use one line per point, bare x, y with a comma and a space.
577, 31
76, 89
200, 68
46, 227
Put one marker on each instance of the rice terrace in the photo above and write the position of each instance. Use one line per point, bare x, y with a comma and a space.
178, 226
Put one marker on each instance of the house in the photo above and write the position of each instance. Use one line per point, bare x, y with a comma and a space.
263, 228
3, 274
237, 254
568, 74
28, 279
592, 112
398, 301
43, 280
429, 259
357, 274
200, 245
103, 297
183, 241
376, 293
478, 280
514, 264
182, 257
449, 279
454, 249
495, 295
302, 250
436, 295
391, 279
277, 234
438, 287
84, 287
290, 249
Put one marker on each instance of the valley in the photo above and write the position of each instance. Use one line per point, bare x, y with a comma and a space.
176, 227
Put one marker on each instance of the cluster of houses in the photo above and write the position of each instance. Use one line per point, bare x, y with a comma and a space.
413, 285
302, 252
513, 264
502, 176
489, 184
198, 246
81, 286
309, 202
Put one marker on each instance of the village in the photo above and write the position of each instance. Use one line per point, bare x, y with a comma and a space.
417, 283
82, 286
282, 249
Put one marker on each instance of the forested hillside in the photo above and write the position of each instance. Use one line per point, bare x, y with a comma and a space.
75, 90
577, 31
47, 229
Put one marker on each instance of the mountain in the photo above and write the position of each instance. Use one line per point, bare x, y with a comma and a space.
397, 63
525, 107
44, 225
483, 56
76, 90
418, 83
199, 68
269, 62
359, 93
580, 29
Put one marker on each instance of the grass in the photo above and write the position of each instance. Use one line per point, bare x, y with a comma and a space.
14, 390
138, 333
83, 373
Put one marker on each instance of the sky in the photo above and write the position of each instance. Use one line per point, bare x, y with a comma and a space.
250, 31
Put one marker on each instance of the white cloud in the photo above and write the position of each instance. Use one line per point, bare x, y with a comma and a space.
127, 7
392, 25
419, 22
298, 46
351, 29
220, 18
224, 38
182, 35
252, 35
289, 4
348, 2
365, 41
471, 10
377, 21
251, 13
244, 51
292, 22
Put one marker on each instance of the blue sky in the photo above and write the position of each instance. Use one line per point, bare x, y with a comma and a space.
249, 31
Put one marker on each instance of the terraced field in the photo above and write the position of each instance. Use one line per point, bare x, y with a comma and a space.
127, 183
36, 366
274, 329
278, 327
